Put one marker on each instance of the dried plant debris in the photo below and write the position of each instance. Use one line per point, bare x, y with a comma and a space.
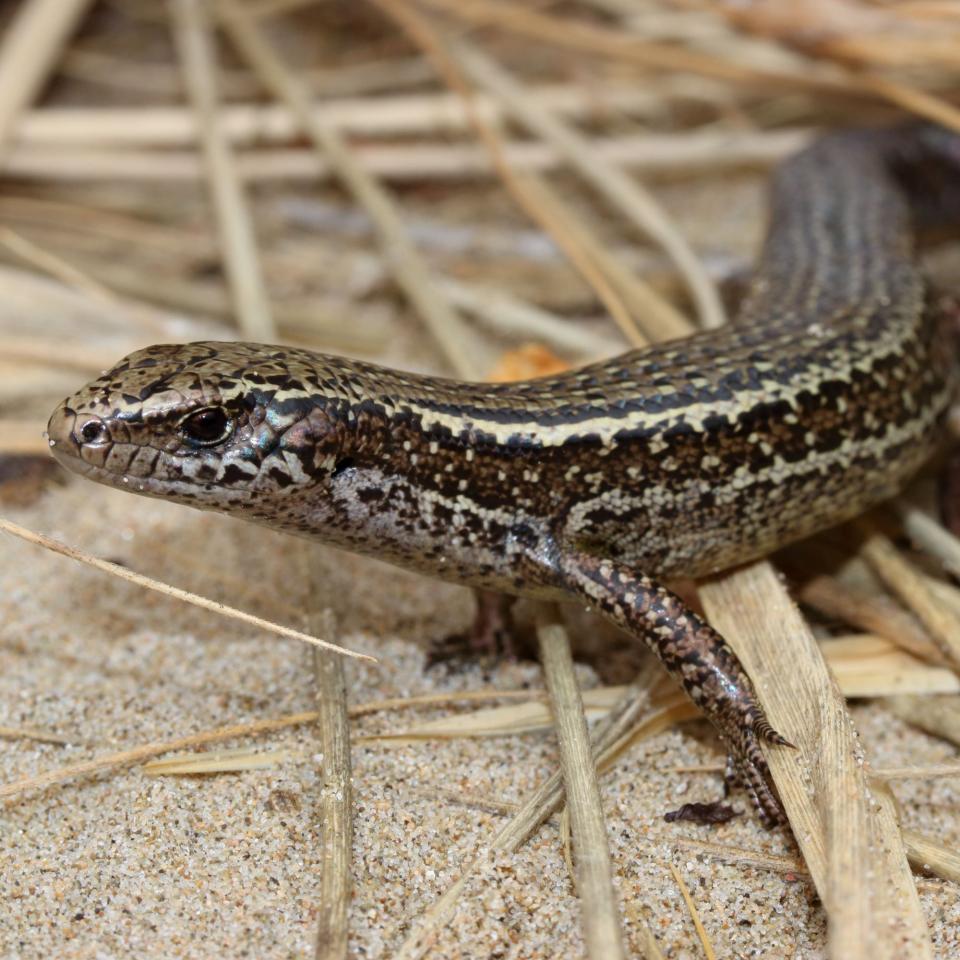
499, 190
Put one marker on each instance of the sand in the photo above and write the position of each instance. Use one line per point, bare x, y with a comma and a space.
227, 865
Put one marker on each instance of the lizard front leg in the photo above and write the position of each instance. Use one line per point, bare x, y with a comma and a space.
693, 653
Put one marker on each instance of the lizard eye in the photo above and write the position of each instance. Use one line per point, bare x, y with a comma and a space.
206, 427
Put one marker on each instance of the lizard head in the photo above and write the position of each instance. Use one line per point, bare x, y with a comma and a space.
216, 425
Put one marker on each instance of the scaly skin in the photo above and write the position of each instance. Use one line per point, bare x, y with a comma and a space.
824, 396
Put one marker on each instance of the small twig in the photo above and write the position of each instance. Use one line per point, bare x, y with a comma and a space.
237, 237
150, 584
600, 916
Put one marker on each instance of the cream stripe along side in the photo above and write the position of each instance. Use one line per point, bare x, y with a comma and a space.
824, 396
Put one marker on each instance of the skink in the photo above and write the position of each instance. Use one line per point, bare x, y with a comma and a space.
823, 397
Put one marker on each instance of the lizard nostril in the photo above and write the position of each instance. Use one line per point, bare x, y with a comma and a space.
93, 431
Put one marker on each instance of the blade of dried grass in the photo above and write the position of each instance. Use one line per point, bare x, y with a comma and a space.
445, 325
217, 761
865, 665
907, 583
649, 948
507, 314
897, 903
191, 30
624, 194
9, 792
849, 851
150, 584
29, 52
252, 728
931, 856
694, 915
600, 916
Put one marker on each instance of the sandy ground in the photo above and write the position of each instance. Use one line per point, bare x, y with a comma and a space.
227, 865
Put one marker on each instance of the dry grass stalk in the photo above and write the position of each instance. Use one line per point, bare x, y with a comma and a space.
191, 28
599, 913
707, 152
932, 537
649, 948
623, 193
866, 665
55, 266
897, 904
508, 315
586, 37
907, 583
10, 792
335, 808
932, 857
217, 761
32, 45
250, 124
154, 78
872, 612
533, 195
253, 728
937, 715
31, 733
849, 850
444, 324
930, 771
708, 950
150, 584
585, 251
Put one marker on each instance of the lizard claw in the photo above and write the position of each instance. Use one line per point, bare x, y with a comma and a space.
751, 770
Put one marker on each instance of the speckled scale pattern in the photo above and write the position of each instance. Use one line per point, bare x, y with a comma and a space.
820, 400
